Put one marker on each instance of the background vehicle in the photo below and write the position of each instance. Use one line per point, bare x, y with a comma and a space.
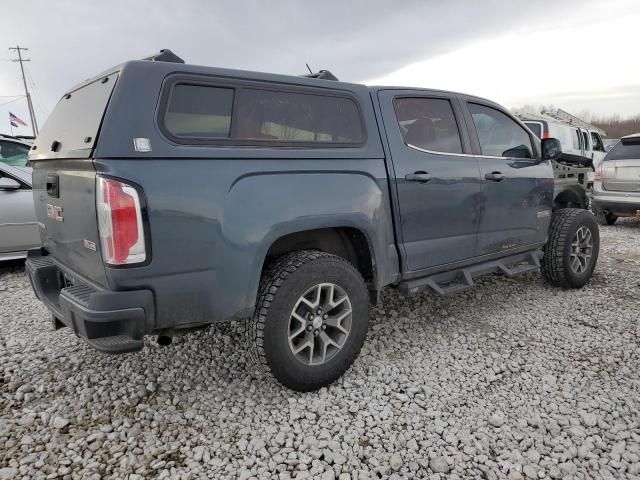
289, 200
18, 226
616, 190
573, 170
581, 142
14, 151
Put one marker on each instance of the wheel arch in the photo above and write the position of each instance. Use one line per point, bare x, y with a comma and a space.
349, 242
570, 197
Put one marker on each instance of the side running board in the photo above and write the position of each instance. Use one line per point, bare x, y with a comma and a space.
447, 283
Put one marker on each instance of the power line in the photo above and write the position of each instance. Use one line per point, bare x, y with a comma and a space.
32, 113
37, 95
11, 101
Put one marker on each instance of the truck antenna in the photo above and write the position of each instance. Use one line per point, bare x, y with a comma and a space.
308, 68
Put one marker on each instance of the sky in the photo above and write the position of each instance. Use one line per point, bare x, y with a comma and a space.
577, 55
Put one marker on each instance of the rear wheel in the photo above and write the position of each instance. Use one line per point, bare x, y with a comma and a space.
571, 252
311, 319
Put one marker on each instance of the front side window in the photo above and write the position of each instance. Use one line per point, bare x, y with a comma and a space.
585, 138
14, 154
291, 117
597, 142
428, 123
499, 134
199, 111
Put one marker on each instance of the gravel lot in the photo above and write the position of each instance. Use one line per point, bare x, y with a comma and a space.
511, 380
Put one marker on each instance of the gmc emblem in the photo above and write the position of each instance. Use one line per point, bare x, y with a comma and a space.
55, 212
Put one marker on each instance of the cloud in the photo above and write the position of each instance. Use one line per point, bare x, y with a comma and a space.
72, 40
581, 62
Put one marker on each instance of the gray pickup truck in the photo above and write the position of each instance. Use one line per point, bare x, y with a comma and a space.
171, 196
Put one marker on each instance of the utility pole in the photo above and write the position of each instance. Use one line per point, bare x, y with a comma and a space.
32, 113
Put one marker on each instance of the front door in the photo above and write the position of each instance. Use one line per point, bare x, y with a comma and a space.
517, 188
586, 144
436, 178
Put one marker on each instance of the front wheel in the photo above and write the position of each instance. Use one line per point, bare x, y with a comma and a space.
571, 252
311, 319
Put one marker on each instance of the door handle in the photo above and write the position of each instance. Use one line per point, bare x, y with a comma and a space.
495, 176
420, 177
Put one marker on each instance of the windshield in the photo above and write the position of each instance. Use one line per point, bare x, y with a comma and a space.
14, 154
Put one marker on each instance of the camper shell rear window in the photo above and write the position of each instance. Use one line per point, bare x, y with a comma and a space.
73, 127
196, 112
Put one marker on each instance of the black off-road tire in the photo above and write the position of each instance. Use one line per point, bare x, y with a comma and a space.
556, 263
281, 286
604, 218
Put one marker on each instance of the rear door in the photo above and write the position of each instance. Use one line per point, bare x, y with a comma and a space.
597, 148
517, 189
64, 178
436, 177
586, 144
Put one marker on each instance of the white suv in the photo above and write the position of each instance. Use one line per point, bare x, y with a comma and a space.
616, 189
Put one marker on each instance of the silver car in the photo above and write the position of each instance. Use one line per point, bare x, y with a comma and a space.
616, 189
18, 226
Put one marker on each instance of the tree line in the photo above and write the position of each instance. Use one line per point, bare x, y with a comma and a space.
616, 126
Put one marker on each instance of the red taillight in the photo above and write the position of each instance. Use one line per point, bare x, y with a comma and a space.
120, 223
545, 134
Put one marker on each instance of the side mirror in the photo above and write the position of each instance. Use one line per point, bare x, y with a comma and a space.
551, 149
7, 183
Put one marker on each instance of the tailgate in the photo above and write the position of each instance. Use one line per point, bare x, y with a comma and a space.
621, 175
64, 194
64, 178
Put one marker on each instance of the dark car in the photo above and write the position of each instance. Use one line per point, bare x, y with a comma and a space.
172, 196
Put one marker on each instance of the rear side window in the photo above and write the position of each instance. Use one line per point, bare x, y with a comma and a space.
499, 134
428, 123
249, 116
621, 151
199, 111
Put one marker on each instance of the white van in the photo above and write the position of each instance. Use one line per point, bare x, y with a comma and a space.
579, 145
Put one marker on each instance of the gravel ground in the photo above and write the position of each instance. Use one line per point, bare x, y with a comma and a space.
511, 380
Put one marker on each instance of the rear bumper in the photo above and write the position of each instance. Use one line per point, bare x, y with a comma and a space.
112, 322
618, 205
